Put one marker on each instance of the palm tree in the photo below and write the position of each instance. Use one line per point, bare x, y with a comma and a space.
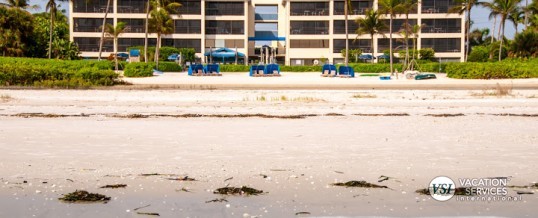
465, 7
52, 8
479, 36
103, 30
415, 30
347, 5
161, 22
370, 24
408, 6
20, 4
517, 17
503, 8
115, 32
146, 31
392, 8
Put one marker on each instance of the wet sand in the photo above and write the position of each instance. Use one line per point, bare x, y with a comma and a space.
299, 158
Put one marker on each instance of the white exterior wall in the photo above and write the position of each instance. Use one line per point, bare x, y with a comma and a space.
284, 19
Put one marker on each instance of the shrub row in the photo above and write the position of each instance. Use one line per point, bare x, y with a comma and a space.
142, 69
69, 65
47, 76
496, 70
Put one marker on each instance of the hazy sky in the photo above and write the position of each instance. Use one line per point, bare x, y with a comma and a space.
479, 15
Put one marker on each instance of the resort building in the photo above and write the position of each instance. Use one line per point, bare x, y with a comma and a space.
301, 32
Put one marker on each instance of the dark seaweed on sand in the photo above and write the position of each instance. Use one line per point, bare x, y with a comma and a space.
84, 196
244, 190
361, 184
114, 186
458, 191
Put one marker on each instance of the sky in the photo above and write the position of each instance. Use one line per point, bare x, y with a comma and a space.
479, 16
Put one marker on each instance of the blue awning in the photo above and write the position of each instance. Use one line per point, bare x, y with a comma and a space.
224, 53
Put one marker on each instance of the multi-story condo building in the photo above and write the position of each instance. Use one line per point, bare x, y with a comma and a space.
301, 31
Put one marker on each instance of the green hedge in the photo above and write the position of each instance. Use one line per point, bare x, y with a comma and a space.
139, 69
56, 73
496, 70
169, 67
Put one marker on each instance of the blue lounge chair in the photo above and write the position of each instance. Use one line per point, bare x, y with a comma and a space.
328, 70
273, 69
196, 69
256, 70
212, 69
344, 71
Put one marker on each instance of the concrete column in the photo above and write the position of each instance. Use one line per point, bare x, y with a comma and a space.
247, 29
203, 36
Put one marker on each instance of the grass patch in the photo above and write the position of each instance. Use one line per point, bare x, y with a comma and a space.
499, 91
244, 190
369, 74
364, 96
360, 184
114, 186
84, 196
5, 98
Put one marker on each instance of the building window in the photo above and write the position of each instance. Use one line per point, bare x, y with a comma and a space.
89, 24
224, 27
188, 26
397, 44
309, 8
196, 44
397, 25
133, 25
442, 44
438, 6
441, 26
266, 12
131, 6
125, 43
91, 44
95, 6
189, 7
309, 27
339, 26
364, 45
311, 43
224, 8
225, 43
357, 7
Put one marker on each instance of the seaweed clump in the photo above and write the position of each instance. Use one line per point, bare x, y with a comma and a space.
114, 186
457, 191
244, 190
360, 184
84, 196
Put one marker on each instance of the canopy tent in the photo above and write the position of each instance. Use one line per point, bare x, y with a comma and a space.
224, 55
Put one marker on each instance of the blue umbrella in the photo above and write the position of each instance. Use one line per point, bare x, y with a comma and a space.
383, 56
366, 57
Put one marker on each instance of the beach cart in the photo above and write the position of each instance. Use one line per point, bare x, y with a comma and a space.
272, 70
257, 70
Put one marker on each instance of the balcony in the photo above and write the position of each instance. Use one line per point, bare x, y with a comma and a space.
441, 26
98, 6
441, 29
442, 44
224, 8
309, 8
309, 28
438, 6
357, 7
224, 31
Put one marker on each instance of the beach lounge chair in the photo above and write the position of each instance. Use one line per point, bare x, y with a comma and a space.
212, 70
328, 70
256, 70
425, 76
347, 72
196, 70
272, 70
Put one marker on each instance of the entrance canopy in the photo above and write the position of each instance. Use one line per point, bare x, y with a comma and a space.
224, 53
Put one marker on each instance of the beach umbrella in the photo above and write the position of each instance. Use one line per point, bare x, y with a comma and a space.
210, 55
236, 55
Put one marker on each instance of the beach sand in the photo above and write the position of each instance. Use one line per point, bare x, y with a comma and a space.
84, 139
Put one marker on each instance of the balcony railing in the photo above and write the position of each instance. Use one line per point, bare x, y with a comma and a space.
93, 9
131, 9
313, 12
355, 11
95, 47
89, 29
310, 31
437, 9
219, 12
135, 29
441, 29
224, 31
265, 16
443, 48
